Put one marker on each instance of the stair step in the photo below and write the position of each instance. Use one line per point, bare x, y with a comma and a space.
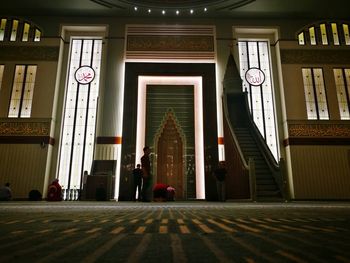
269, 194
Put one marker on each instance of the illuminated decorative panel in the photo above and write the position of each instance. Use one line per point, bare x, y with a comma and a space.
301, 38
22, 91
342, 82
37, 35
335, 34
324, 34
312, 36
27, 97
254, 59
14, 29
1, 74
25, 34
346, 34
320, 94
315, 95
2, 29
78, 134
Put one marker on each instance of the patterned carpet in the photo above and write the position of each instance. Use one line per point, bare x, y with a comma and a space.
174, 232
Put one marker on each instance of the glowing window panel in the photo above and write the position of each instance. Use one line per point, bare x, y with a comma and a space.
342, 93
315, 94
320, 94
25, 34
78, 133
27, 97
301, 38
243, 60
14, 29
1, 74
2, 29
309, 94
255, 54
312, 36
37, 35
324, 34
346, 34
22, 91
335, 34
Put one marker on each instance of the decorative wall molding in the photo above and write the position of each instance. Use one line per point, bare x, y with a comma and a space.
170, 42
319, 130
108, 140
25, 128
25, 53
316, 133
309, 56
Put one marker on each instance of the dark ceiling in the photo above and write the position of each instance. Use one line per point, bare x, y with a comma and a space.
315, 9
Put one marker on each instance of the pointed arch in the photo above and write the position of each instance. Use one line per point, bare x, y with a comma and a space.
170, 144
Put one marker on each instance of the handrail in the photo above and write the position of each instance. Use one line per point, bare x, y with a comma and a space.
265, 150
226, 114
246, 168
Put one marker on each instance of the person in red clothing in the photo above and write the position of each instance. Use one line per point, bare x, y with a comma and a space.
54, 192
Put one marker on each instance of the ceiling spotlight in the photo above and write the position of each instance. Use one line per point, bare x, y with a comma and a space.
149, 11
135, 8
177, 12
163, 12
191, 11
205, 9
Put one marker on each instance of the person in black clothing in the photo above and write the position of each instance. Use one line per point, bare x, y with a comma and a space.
137, 176
146, 174
220, 175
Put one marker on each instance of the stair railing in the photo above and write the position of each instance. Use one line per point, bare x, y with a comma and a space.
247, 168
266, 152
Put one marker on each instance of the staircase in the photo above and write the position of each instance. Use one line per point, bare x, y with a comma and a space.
247, 140
266, 186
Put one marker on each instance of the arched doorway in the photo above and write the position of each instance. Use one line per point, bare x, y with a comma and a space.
170, 148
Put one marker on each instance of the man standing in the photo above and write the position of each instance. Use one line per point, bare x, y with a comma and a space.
137, 176
220, 175
146, 173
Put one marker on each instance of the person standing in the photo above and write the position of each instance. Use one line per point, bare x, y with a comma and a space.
146, 173
5, 192
220, 175
137, 176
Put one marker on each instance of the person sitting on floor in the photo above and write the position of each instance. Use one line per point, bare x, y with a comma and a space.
160, 192
5, 192
54, 191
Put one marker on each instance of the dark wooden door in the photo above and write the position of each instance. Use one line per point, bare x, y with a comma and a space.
170, 157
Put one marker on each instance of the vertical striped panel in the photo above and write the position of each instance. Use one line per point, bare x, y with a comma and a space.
23, 166
321, 172
106, 152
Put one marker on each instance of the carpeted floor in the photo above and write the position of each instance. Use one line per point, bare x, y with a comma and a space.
174, 232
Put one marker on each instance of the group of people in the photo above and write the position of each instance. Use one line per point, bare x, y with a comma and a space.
141, 182
54, 192
142, 177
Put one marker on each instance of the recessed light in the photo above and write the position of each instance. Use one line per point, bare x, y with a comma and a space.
191, 11
149, 11
205, 9
163, 12
135, 8
177, 12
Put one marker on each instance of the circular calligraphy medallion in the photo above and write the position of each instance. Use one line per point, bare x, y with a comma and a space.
84, 75
255, 76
